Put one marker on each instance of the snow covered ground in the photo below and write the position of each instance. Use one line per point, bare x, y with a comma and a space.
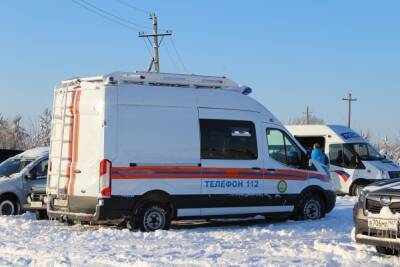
328, 242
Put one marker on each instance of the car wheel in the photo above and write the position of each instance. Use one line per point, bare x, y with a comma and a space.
154, 217
387, 251
41, 215
8, 206
310, 207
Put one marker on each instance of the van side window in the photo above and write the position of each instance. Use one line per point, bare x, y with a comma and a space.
336, 154
282, 148
228, 139
342, 156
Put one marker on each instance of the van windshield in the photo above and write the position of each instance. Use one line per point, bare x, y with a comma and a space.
12, 166
365, 151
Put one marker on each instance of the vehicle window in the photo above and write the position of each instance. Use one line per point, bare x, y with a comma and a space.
336, 154
40, 170
12, 166
283, 149
228, 139
365, 151
349, 157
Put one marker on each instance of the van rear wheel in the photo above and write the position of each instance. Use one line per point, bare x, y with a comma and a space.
8, 206
310, 207
153, 217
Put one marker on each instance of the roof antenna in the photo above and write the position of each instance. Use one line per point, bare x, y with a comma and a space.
155, 60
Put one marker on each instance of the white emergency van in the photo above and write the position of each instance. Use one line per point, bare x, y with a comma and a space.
147, 148
354, 163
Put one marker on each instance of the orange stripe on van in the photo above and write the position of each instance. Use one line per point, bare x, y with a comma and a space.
70, 137
161, 172
75, 142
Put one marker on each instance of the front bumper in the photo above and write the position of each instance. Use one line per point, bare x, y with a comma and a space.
365, 235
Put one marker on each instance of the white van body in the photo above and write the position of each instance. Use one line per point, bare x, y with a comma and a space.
353, 162
124, 139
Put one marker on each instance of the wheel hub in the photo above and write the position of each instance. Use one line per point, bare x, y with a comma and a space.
154, 220
312, 210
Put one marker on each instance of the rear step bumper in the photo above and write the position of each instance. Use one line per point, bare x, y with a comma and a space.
108, 210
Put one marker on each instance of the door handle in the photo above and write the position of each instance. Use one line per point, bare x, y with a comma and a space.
78, 171
256, 168
271, 170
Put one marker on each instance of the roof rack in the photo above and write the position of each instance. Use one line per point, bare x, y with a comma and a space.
170, 79
166, 79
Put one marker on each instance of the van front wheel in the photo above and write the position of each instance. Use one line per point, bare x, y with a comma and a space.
310, 207
154, 217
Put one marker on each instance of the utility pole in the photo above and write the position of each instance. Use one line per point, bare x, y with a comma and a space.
156, 44
349, 99
307, 113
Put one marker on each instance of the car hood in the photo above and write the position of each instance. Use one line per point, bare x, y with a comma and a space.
387, 187
386, 165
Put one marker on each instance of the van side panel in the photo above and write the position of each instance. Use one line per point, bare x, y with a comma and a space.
155, 136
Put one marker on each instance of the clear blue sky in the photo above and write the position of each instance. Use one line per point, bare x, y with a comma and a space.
292, 53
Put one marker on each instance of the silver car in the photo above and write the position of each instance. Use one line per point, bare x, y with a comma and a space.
377, 216
17, 177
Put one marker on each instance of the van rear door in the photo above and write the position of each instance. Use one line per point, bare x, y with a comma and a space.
76, 144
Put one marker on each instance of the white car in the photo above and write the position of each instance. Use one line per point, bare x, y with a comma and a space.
17, 177
148, 148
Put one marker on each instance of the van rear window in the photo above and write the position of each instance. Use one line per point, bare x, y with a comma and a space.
228, 139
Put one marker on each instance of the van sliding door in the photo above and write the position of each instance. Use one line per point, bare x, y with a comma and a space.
231, 162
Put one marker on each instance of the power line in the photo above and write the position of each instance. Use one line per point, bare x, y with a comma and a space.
170, 57
133, 7
104, 16
109, 15
178, 55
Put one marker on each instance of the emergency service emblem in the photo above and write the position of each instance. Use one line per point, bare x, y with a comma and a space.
282, 186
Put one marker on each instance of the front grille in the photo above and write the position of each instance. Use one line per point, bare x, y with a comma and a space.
394, 174
374, 206
36, 196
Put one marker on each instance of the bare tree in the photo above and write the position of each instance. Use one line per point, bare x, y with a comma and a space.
312, 119
366, 134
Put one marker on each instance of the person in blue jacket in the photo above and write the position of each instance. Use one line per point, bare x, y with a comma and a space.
318, 155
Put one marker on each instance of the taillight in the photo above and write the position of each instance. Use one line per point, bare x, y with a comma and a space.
105, 178
50, 166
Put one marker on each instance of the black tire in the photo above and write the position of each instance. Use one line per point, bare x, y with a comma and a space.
41, 215
8, 206
355, 187
387, 251
311, 206
152, 217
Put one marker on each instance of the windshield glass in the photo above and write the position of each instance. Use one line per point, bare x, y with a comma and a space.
365, 151
12, 166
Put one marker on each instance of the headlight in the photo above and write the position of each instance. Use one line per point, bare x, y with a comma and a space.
29, 199
384, 174
362, 196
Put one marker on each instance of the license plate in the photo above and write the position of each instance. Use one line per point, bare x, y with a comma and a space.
60, 202
383, 224
36, 204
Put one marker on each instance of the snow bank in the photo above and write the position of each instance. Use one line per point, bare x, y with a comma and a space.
24, 241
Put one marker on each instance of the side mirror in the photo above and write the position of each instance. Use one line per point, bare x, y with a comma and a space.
31, 176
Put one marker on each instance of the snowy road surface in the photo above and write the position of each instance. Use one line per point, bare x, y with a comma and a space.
327, 242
